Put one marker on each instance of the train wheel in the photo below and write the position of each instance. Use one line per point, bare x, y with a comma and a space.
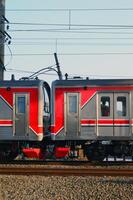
8, 153
95, 152
7, 156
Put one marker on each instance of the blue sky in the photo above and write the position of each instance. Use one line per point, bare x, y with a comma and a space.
88, 49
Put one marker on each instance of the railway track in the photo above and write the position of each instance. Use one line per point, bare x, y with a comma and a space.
61, 171
67, 162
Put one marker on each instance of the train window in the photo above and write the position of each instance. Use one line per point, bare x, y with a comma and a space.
72, 104
21, 104
46, 101
105, 106
121, 106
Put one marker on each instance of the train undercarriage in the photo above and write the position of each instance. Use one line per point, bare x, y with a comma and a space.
91, 150
98, 151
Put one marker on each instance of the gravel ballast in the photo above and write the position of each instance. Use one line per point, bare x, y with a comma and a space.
64, 188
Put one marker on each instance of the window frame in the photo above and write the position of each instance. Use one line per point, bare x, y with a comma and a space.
73, 105
105, 110
123, 111
21, 110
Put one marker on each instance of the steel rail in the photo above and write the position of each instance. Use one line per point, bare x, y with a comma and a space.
67, 162
46, 162
46, 171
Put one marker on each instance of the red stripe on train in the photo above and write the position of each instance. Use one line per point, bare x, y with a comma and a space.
6, 122
104, 121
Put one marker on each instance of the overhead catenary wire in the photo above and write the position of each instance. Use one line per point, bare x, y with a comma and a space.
77, 31
124, 30
70, 26
74, 25
26, 71
74, 38
10, 54
69, 9
70, 75
71, 44
42, 70
74, 54
19, 70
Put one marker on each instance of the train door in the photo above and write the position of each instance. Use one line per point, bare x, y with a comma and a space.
105, 114
72, 114
21, 114
113, 114
121, 114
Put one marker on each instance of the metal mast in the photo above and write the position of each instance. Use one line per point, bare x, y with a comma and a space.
58, 67
2, 38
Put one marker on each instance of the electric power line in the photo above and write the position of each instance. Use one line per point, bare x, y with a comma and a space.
74, 54
74, 25
69, 9
69, 31
10, 70
10, 54
70, 75
74, 38
70, 44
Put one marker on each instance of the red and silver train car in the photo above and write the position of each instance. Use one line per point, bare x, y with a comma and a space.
93, 115
21, 114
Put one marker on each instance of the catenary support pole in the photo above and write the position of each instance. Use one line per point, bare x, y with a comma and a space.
58, 67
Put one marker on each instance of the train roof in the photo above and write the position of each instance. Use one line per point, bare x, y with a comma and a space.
21, 83
92, 82
67, 83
